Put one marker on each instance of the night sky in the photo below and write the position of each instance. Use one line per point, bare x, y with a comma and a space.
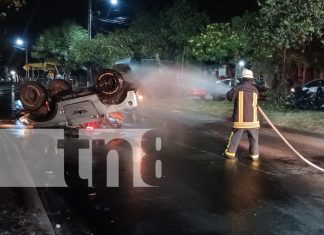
42, 14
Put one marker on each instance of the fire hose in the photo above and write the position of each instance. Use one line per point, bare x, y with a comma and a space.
288, 144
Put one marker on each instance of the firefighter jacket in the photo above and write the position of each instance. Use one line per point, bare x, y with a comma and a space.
245, 113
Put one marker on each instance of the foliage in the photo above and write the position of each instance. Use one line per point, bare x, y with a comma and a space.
58, 42
70, 46
217, 42
248, 26
97, 53
291, 24
274, 101
287, 28
280, 34
141, 37
279, 24
260, 36
238, 38
179, 23
5, 5
164, 33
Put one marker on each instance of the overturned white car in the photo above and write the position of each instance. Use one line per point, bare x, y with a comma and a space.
60, 106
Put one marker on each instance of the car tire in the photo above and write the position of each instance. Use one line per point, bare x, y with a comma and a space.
33, 95
111, 87
217, 98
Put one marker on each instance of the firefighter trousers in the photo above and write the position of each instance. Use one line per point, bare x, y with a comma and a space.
234, 140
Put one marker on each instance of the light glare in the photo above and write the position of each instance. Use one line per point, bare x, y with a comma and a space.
241, 63
19, 42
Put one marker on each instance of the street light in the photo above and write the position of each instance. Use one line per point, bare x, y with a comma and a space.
19, 42
241, 63
22, 45
90, 15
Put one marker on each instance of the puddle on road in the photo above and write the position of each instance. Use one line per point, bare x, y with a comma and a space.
9, 104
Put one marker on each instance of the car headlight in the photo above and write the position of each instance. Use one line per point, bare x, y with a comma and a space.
292, 89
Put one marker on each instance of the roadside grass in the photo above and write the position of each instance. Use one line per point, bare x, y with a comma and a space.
302, 120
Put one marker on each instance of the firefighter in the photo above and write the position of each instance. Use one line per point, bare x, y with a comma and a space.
245, 116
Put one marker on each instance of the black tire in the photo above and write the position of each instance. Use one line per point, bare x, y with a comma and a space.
218, 98
33, 95
44, 113
58, 86
111, 87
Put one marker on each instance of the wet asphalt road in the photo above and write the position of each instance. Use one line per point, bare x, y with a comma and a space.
199, 192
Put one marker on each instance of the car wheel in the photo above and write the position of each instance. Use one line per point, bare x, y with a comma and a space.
33, 95
217, 98
111, 87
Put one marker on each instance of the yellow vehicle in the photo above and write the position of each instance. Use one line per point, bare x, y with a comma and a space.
42, 72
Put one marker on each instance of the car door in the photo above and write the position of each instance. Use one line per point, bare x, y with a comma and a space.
220, 88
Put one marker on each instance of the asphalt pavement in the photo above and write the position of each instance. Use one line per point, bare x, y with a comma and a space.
199, 191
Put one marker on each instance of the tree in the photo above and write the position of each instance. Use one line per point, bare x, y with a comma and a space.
288, 26
178, 23
217, 42
97, 53
57, 43
10, 4
164, 32
70, 46
141, 37
291, 24
277, 34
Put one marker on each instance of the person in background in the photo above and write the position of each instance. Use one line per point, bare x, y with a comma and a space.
50, 74
245, 116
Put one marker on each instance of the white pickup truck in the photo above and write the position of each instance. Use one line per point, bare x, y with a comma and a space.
59, 105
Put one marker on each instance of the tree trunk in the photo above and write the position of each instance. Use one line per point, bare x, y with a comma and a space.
304, 74
283, 80
183, 59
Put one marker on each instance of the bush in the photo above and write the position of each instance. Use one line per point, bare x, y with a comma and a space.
274, 101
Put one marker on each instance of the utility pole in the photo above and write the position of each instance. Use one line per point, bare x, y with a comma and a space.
26, 61
90, 35
90, 19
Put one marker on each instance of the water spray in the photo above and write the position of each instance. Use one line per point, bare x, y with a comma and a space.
288, 144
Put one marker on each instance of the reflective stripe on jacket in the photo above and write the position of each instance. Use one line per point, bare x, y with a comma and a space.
245, 113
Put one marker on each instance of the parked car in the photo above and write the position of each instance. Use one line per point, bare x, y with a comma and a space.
218, 89
315, 89
313, 85
196, 89
197, 92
